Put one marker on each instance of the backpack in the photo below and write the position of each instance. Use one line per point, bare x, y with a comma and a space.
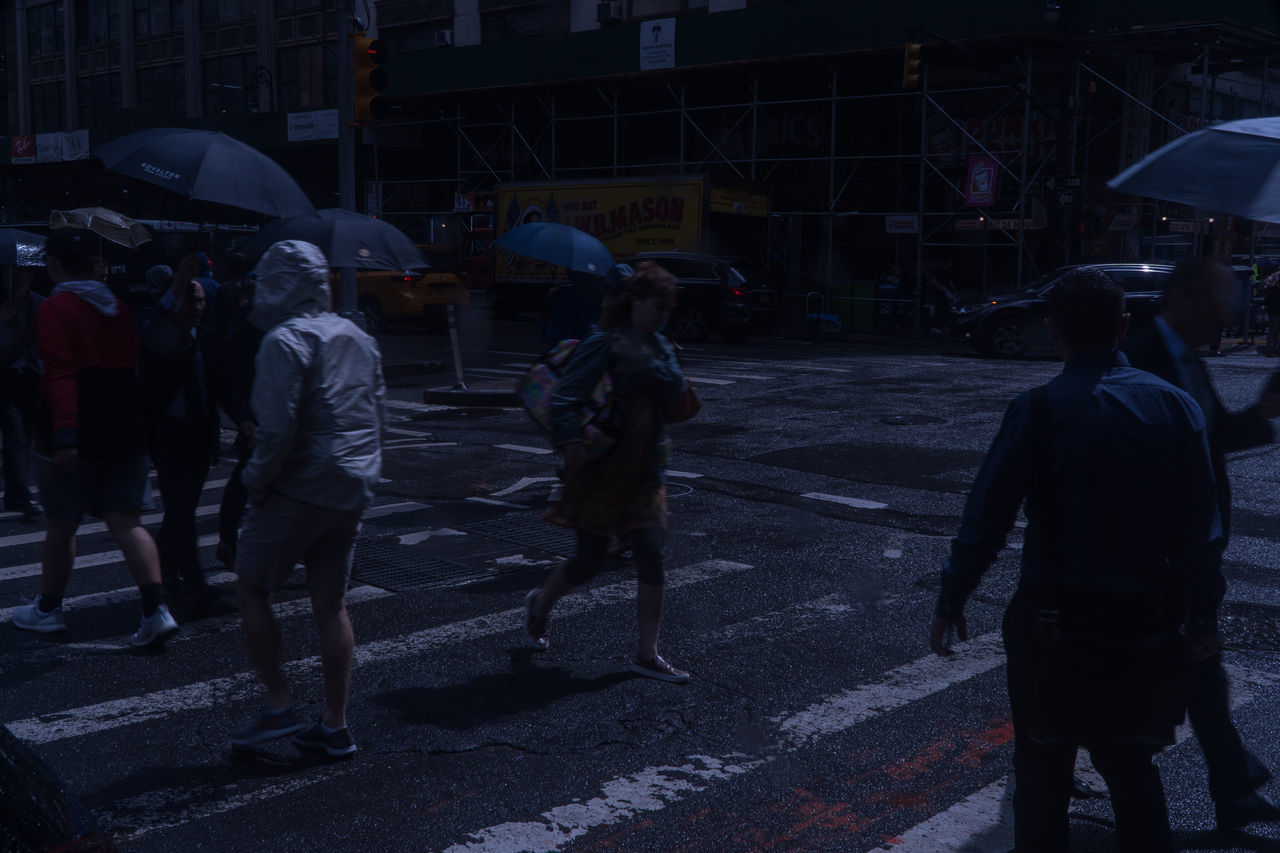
600, 417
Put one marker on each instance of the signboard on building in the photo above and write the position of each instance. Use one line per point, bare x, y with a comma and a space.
314, 124
60, 147
1005, 224
22, 148
658, 44
743, 202
901, 223
980, 188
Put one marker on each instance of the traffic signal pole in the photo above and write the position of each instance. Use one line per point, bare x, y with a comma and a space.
346, 301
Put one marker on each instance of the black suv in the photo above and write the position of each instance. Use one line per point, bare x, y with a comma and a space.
714, 296
1011, 325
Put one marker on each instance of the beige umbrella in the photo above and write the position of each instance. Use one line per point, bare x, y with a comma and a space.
107, 224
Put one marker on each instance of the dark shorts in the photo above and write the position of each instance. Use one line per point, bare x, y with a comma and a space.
283, 532
107, 487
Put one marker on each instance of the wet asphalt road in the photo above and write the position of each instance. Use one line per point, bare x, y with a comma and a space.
812, 504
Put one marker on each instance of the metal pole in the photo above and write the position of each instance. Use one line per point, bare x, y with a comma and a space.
457, 348
346, 147
755, 108
924, 141
831, 189
1204, 92
1022, 181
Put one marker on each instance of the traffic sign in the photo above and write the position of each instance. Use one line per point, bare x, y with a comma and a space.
1066, 199
1064, 182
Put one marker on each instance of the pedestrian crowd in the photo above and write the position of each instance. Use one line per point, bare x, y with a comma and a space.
1119, 464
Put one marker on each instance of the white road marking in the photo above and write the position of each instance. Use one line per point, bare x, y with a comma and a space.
97, 527
424, 535
415, 407
684, 475
416, 433
131, 710
524, 448
983, 821
114, 596
518, 560
525, 365
421, 445
707, 380
492, 502
893, 553
846, 501
653, 788
107, 558
523, 483
731, 373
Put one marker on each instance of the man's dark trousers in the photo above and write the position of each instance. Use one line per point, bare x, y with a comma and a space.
1043, 774
182, 453
18, 391
234, 496
1234, 771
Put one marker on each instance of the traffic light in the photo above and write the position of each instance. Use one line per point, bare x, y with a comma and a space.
911, 66
369, 79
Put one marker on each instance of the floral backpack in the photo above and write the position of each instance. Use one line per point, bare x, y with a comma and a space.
601, 422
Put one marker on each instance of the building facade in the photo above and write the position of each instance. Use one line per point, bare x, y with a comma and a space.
801, 99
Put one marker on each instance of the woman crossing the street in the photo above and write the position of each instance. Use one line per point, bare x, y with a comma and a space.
621, 493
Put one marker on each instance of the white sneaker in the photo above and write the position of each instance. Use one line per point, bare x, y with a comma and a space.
155, 629
29, 617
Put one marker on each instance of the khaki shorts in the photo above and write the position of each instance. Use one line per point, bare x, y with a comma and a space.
283, 532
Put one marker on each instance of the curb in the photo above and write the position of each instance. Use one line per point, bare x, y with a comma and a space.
496, 397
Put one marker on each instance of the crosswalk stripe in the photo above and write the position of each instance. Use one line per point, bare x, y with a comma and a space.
97, 527
496, 371
414, 407
653, 788
106, 558
983, 821
132, 710
707, 380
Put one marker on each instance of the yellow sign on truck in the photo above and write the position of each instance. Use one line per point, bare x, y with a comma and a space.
629, 217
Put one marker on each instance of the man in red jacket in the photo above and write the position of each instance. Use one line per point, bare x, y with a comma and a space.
90, 442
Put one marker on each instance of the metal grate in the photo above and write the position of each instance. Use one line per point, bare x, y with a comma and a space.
527, 530
388, 564
1250, 627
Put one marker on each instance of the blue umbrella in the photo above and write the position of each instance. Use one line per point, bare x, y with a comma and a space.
562, 245
1232, 167
21, 248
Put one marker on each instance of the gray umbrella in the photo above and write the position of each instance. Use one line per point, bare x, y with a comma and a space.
347, 240
206, 165
1233, 167
21, 248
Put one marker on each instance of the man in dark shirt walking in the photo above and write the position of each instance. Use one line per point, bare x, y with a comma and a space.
1202, 295
1130, 478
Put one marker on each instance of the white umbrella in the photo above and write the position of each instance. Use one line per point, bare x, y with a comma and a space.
1233, 167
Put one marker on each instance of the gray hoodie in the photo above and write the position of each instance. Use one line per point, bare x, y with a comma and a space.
318, 391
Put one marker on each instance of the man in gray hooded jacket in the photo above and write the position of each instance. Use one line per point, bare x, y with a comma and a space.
318, 402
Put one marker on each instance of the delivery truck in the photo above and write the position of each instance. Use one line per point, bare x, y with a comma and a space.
632, 216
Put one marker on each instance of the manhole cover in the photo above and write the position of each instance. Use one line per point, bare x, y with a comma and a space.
911, 420
388, 564
527, 530
1249, 627
676, 490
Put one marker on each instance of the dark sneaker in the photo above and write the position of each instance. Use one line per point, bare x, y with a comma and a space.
337, 744
658, 668
29, 617
270, 725
535, 629
155, 629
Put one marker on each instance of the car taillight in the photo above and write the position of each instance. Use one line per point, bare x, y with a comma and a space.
738, 292
411, 275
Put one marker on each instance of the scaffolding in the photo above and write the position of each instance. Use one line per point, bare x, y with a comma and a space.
849, 159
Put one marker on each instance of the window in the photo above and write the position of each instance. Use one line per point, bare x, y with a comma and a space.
45, 28
1138, 281
302, 78
48, 107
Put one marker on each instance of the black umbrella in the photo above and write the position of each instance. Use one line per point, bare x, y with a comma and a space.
207, 165
347, 240
21, 248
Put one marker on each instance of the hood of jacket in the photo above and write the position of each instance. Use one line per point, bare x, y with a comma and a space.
95, 293
291, 280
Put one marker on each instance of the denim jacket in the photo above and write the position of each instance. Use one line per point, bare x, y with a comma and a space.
589, 361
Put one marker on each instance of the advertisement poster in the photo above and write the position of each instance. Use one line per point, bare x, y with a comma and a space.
980, 188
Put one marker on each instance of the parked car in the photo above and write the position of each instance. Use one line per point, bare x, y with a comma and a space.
398, 296
1011, 325
714, 296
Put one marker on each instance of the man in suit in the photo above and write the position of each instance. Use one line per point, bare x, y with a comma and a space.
1200, 297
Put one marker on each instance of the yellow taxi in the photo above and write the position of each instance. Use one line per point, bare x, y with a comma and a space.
392, 297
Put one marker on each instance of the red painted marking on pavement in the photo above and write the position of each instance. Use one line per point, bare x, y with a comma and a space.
921, 762
981, 746
450, 801
611, 841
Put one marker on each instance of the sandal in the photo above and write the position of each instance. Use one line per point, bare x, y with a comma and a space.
535, 629
658, 668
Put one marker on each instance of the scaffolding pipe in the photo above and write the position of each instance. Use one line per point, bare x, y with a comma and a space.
1204, 92
831, 187
1022, 182
924, 142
